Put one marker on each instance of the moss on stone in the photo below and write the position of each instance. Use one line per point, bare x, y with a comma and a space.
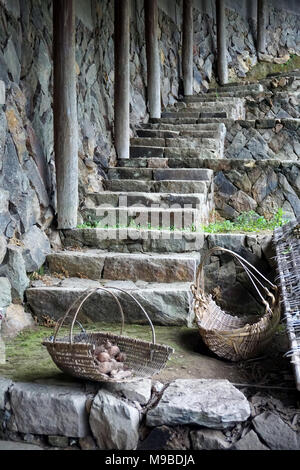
263, 69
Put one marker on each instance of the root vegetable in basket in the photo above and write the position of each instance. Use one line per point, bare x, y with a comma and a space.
103, 357
105, 367
110, 360
113, 351
121, 357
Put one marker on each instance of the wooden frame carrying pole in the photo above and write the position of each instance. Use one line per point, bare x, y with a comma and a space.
65, 113
153, 60
122, 77
221, 42
187, 47
261, 25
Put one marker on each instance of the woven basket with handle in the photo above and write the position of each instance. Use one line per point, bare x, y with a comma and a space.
74, 355
228, 336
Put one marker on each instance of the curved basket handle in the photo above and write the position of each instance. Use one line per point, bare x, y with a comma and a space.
63, 319
91, 292
141, 307
244, 263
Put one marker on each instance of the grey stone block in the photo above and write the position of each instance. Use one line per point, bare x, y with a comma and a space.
49, 410
210, 403
114, 423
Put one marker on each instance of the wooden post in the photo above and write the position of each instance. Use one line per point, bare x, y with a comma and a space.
261, 26
122, 77
153, 60
65, 113
187, 47
221, 42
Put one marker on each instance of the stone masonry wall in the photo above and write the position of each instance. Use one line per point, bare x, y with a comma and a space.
263, 139
282, 39
262, 186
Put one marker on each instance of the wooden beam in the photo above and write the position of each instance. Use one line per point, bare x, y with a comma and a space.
221, 42
65, 113
187, 47
153, 60
261, 25
122, 77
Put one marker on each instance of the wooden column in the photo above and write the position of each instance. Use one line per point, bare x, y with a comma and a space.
221, 42
122, 77
261, 26
153, 60
187, 47
65, 113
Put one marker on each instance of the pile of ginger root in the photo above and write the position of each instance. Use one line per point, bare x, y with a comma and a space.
110, 361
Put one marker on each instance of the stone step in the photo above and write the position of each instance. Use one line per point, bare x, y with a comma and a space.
188, 117
150, 152
234, 107
180, 114
222, 94
148, 142
187, 120
176, 161
214, 150
292, 73
167, 133
214, 99
194, 109
160, 174
166, 304
176, 217
127, 199
154, 267
134, 240
166, 186
252, 87
216, 127
179, 141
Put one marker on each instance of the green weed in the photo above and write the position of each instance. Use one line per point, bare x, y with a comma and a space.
248, 222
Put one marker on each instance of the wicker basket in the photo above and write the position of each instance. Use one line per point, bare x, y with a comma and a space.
228, 336
75, 356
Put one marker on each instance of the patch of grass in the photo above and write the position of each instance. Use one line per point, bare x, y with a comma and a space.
245, 222
131, 225
263, 69
248, 222
37, 274
287, 65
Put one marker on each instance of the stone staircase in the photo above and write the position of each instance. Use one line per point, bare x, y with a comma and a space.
148, 236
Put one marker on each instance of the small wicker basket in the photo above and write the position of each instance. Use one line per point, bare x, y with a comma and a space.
75, 355
228, 336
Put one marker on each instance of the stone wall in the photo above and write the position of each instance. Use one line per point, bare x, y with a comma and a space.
263, 139
282, 39
116, 416
262, 186
147, 415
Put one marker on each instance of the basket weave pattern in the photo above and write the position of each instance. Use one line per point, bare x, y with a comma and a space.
228, 336
75, 356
